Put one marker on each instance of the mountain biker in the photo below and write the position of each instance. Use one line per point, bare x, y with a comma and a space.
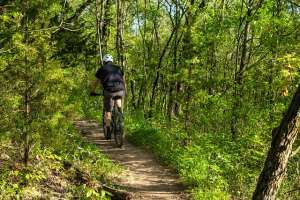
111, 78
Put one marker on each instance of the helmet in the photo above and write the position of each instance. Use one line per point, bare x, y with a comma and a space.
108, 58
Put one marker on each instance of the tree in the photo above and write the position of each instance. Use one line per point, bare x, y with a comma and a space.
281, 148
30, 75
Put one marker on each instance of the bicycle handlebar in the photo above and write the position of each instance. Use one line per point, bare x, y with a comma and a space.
95, 94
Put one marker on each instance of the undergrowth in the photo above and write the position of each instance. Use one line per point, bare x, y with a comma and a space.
212, 165
73, 169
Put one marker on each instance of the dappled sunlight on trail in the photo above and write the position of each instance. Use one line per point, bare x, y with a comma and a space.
143, 175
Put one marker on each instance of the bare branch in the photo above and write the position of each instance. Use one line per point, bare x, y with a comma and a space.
294, 3
80, 10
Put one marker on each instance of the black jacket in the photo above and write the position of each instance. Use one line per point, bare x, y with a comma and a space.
111, 77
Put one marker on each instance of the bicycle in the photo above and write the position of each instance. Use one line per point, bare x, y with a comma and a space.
116, 124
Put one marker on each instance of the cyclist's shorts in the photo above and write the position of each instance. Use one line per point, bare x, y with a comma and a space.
109, 99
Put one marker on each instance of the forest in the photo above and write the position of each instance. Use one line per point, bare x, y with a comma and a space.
212, 90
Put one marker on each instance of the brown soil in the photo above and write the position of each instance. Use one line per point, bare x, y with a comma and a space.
143, 176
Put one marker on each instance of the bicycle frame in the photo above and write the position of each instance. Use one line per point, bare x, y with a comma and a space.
116, 126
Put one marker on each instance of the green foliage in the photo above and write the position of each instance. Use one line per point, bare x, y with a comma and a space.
75, 170
38, 101
214, 166
208, 79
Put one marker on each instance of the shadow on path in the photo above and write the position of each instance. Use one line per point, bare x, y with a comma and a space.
143, 175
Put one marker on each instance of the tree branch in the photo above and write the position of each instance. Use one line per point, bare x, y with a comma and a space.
80, 10
294, 3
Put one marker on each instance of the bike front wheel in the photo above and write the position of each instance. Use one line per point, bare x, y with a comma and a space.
119, 138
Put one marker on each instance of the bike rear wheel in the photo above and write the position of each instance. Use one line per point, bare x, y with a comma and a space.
106, 130
118, 127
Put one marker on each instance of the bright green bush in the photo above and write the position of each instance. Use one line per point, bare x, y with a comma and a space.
212, 165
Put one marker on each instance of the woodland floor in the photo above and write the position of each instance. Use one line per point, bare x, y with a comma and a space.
144, 177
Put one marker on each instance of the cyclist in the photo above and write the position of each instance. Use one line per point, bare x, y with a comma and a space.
111, 78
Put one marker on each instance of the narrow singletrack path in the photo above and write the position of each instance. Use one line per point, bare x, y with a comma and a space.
144, 177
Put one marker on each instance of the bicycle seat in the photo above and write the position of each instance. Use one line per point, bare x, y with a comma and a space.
116, 97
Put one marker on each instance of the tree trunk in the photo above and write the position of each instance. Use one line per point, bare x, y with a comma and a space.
119, 34
25, 135
106, 18
239, 76
98, 30
243, 57
173, 82
187, 54
26, 147
276, 163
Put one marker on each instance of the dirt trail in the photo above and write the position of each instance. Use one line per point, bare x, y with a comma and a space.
144, 177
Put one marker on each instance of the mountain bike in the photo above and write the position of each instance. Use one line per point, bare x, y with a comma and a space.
116, 125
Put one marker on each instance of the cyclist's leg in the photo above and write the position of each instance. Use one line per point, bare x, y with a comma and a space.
108, 105
119, 103
107, 118
111, 99
119, 99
